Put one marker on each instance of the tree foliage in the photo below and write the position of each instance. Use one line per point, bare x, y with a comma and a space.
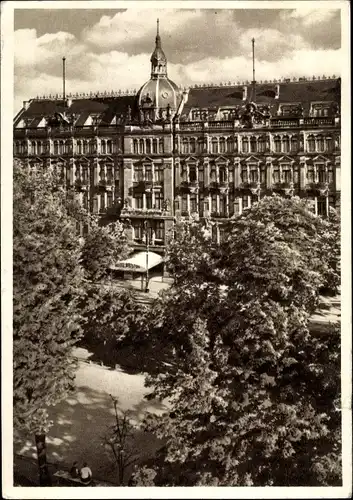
47, 286
253, 392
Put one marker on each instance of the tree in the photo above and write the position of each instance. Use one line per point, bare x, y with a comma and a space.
253, 392
48, 283
103, 246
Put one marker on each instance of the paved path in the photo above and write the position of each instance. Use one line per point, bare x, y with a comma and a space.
83, 419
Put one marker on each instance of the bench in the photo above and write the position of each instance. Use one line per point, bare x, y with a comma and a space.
66, 476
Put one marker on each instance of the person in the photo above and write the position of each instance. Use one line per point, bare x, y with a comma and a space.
74, 470
86, 474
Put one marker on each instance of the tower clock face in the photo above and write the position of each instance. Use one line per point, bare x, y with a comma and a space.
165, 94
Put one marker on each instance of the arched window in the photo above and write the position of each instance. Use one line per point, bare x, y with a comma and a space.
135, 147
192, 174
254, 177
56, 147
321, 173
277, 141
154, 146
311, 144
200, 143
294, 144
185, 146
245, 145
253, 145
320, 143
214, 145
328, 143
287, 174
161, 146
261, 145
222, 174
141, 146
24, 147
61, 147
33, 148
109, 147
79, 147
39, 148
103, 147
222, 145
229, 145
285, 144
148, 146
85, 147
192, 145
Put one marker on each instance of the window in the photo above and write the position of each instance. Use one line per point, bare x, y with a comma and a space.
141, 147
213, 176
85, 147
296, 175
214, 203
244, 175
193, 203
95, 204
184, 203
200, 143
322, 173
330, 175
192, 146
214, 145
276, 178
245, 201
39, 148
92, 147
79, 147
148, 146
138, 200
328, 143
161, 146
245, 145
154, 147
109, 174
253, 145
277, 145
285, 144
158, 174
85, 200
286, 174
102, 200
201, 175
201, 204
138, 174
103, 147
148, 200
331, 201
109, 199
158, 200
321, 206
33, 148
185, 146
102, 173
310, 174
294, 144
222, 234
84, 173
138, 232
222, 174
320, 143
261, 145
109, 147
311, 144
148, 174
222, 205
253, 175
222, 145
229, 145
160, 230
214, 234
192, 174
135, 147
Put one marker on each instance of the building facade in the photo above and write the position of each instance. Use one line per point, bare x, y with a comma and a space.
164, 152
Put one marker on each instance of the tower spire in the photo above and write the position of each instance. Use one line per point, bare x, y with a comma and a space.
158, 38
158, 59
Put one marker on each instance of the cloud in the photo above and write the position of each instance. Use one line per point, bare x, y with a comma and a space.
311, 16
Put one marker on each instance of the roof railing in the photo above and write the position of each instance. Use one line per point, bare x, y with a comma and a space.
88, 95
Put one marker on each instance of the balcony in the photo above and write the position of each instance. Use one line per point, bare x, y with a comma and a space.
81, 184
321, 188
319, 121
221, 186
143, 184
143, 212
253, 186
106, 184
285, 187
191, 186
284, 122
220, 124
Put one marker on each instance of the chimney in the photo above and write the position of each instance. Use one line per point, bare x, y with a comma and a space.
245, 93
25, 105
277, 92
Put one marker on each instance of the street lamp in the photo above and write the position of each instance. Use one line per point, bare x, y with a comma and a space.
147, 251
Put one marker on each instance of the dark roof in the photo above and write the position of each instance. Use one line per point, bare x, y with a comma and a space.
300, 91
106, 107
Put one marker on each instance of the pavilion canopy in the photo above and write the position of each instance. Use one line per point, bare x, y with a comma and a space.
137, 263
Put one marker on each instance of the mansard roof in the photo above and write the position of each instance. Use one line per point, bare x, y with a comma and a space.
105, 108
303, 92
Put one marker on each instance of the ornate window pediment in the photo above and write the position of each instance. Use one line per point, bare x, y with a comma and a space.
221, 159
320, 159
191, 159
147, 161
252, 159
285, 159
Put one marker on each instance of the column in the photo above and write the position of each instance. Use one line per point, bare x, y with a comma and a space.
217, 203
95, 172
188, 203
227, 205
143, 201
302, 173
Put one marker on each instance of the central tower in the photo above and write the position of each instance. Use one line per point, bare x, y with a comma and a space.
159, 97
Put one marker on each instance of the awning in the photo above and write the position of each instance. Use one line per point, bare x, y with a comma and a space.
137, 263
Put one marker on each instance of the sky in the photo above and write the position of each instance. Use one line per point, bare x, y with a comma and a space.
111, 49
